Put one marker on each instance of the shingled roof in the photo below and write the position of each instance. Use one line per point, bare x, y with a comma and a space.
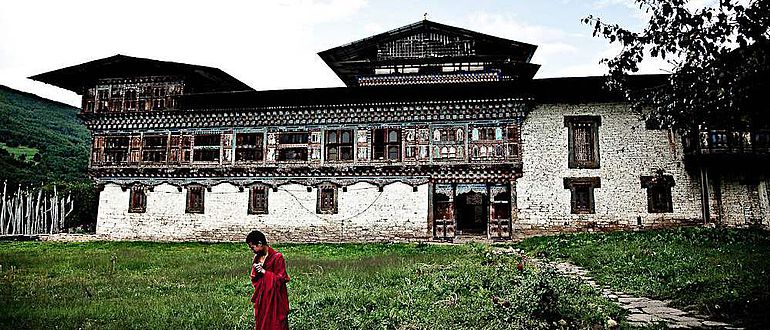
197, 78
353, 59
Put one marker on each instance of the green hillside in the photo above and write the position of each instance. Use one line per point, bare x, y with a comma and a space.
30, 124
43, 142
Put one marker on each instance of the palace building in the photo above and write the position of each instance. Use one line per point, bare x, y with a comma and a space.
441, 133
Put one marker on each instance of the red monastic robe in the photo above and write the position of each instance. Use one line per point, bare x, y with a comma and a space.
271, 301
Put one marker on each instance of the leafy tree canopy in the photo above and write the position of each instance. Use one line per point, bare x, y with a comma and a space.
720, 57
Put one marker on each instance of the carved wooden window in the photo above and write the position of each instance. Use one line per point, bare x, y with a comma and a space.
103, 96
195, 199
292, 147
339, 145
658, 193
137, 200
159, 100
248, 147
131, 99
582, 194
387, 144
514, 138
115, 149
327, 199
154, 148
207, 148
258, 199
583, 141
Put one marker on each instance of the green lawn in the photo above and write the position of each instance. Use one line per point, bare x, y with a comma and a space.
350, 286
28, 152
724, 273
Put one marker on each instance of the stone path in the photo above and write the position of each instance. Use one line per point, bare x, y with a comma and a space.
642, 311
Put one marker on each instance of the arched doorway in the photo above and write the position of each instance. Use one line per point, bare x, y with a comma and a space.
472, 212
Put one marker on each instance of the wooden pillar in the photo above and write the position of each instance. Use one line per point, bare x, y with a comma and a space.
704, 191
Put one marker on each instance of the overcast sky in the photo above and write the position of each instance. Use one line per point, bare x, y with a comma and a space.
273, 44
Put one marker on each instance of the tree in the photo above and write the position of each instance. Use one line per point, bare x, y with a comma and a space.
720, 57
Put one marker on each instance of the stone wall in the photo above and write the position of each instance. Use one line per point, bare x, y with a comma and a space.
396, 214
627, 151
744, 199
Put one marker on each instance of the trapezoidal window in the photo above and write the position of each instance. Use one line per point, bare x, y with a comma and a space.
583, 141
339, 145
387, 144
207, 147
248, 147
658, 193
327, 199
582, 194
195, 199
258, 199
137, 201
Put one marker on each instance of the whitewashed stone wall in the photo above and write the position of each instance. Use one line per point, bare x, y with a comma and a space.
396, 214
627, 151
744, 199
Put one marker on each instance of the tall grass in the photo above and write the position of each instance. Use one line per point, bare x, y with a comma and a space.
350, 286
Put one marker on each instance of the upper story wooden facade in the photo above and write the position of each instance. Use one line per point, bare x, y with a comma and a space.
424, 100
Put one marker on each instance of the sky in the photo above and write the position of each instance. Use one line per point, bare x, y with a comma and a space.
274, 44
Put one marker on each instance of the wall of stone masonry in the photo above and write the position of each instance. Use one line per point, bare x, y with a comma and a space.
744, 198
627, 151
396, 214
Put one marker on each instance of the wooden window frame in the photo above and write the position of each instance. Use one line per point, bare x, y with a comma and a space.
576, 184
196, 188
338, 144
114, 145
255, 206
161, 149
664, 183
257, 149
593, 122
298, 142
386, 145
321, 208
137, 200
198, 149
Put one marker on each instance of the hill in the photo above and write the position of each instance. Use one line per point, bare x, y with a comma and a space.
41, 141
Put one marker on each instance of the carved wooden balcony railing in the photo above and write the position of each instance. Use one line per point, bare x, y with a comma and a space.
718, 144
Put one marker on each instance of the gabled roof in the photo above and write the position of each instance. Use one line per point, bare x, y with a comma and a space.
197, 78
346, 60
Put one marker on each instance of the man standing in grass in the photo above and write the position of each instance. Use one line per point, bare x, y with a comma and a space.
268, 276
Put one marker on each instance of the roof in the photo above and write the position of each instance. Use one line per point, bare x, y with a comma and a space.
348, 60
551, 90
197, 78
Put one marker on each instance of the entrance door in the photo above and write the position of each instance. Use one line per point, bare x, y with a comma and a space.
500, 212
443, 212
472, 203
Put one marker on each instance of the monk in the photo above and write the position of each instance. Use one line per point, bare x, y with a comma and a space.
268, 276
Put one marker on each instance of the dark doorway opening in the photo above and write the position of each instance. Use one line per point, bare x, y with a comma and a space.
472, 213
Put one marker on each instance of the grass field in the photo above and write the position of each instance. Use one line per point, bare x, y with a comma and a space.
28, 152
724, 273
350, 286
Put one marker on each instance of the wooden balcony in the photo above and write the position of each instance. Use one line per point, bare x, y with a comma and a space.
728, 145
